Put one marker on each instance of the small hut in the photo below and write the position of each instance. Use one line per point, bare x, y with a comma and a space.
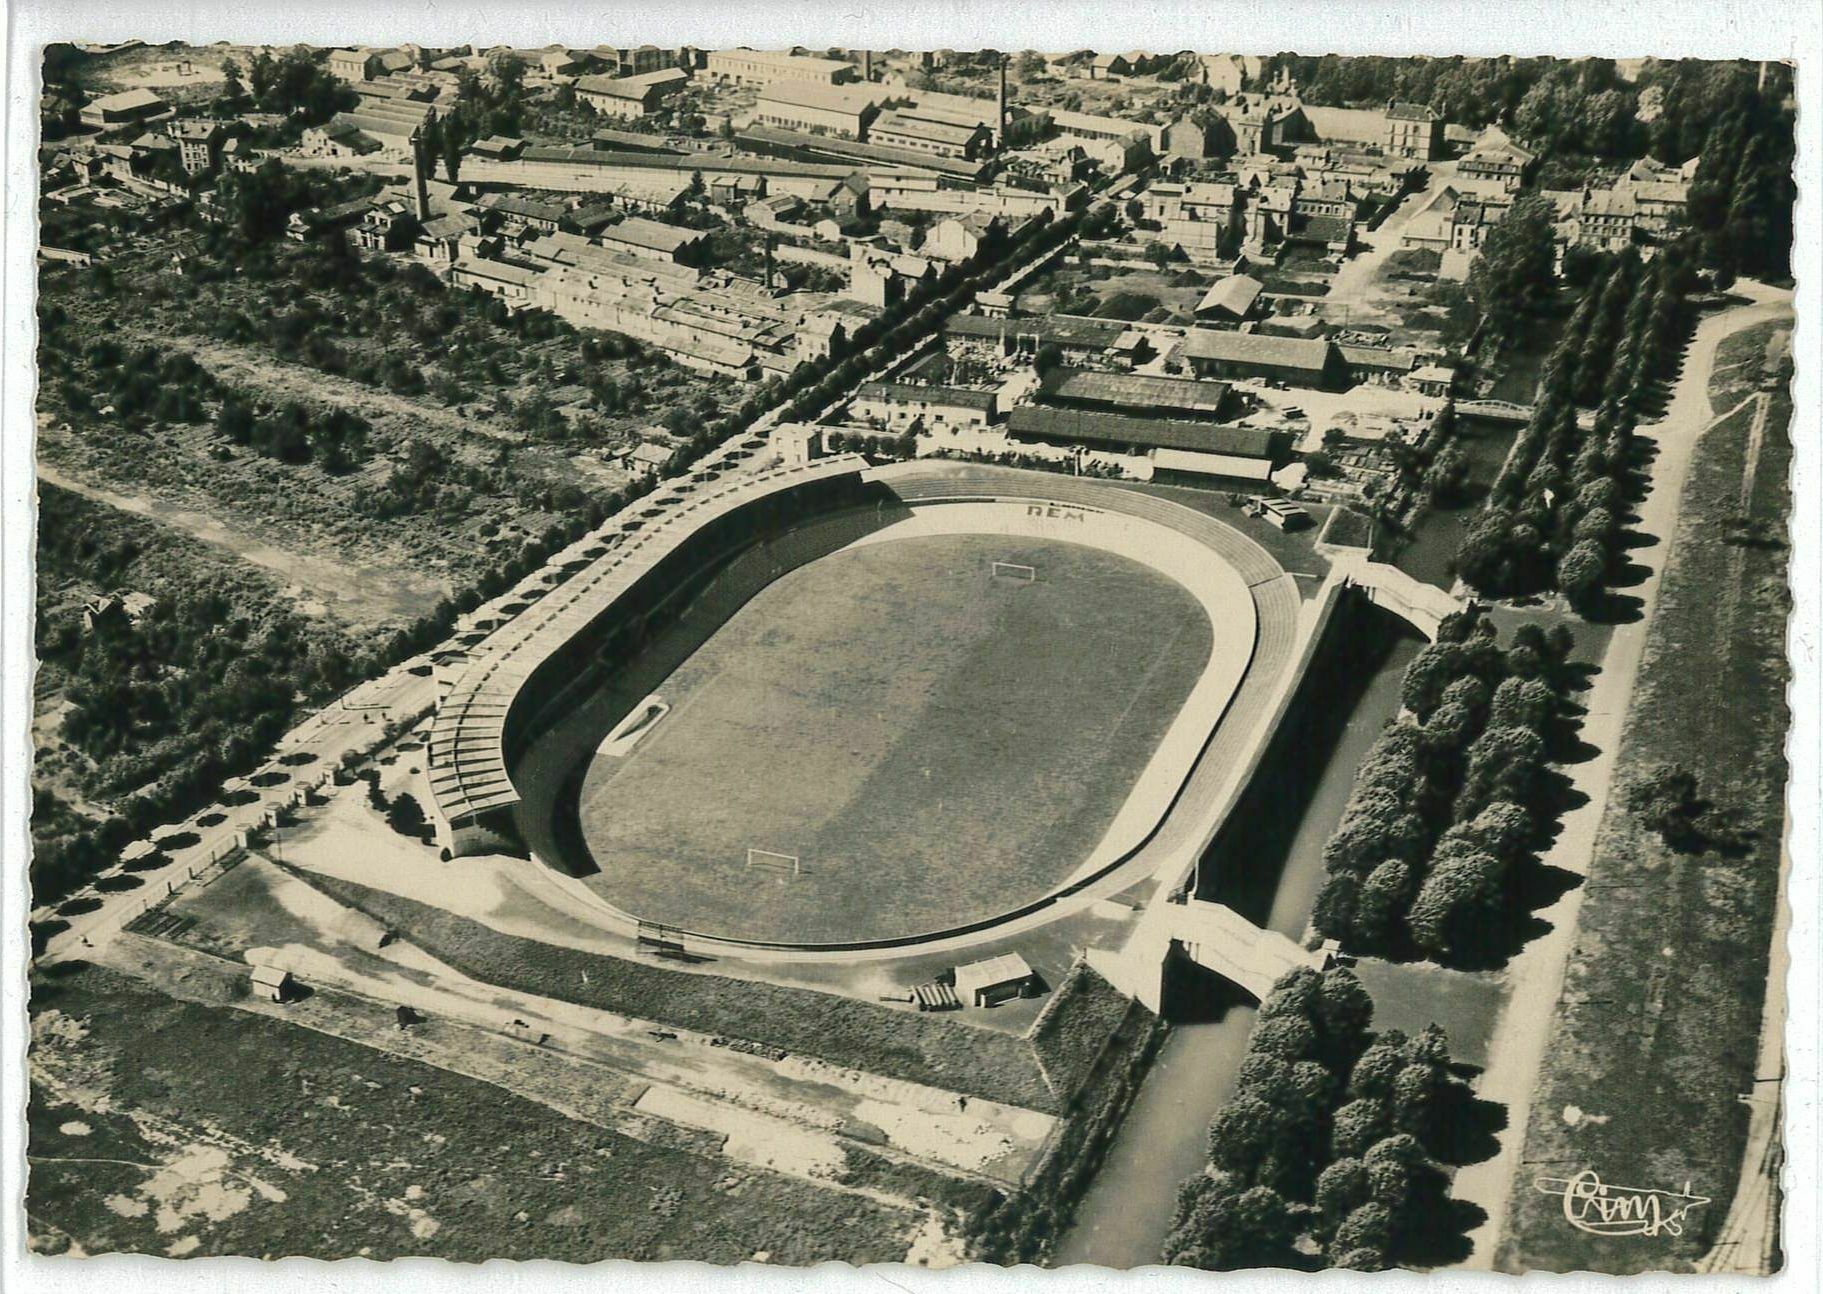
271, 983
990, 982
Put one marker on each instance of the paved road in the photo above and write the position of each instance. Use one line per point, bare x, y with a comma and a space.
354, 722
1535, 977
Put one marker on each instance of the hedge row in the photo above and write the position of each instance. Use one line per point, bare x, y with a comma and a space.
1325, 1155
1449, 801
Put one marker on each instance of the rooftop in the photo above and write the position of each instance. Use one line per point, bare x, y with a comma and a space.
653, 234
1088, 428
1253, 348
912, 392
1178, 395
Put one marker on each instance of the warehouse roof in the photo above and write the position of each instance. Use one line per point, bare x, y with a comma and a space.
653, 234
1255, 348
1087, 428
811, 94
913, 392
1176, 395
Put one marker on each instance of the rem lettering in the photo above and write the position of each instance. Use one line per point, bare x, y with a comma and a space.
1053, 512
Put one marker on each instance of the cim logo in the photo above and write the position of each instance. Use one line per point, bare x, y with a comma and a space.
1051, 512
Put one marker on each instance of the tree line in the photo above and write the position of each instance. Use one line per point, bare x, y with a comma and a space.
1451, 798
1553, 517
1327, 1154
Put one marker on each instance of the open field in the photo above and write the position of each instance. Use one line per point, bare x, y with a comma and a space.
1656, 1037
921, 722
1157, 296
474, 433
293, 1142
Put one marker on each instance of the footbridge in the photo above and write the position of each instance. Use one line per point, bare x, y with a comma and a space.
1495, 410
1423, 606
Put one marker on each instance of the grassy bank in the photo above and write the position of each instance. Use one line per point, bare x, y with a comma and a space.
287, 1142
933, 1049
1656, 1035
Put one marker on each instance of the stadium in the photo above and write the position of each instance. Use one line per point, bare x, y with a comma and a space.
832, 708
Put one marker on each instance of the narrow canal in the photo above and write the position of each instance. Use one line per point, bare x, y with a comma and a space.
1429, 553
1269, 868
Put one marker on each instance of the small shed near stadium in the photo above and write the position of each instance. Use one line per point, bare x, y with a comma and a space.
990, 982
271, 983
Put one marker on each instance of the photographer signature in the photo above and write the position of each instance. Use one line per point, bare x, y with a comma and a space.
1592, 1205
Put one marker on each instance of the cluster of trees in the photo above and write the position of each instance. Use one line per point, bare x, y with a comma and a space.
1553, 516
1451, 798
489, 102
162, 708
873, 444
1563, 107
296, 83
1329, 1144
144, 385
1514, 279
255, 205
1743, 192
332, 436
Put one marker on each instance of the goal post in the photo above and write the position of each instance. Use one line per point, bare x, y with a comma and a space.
770, 860
1018, 571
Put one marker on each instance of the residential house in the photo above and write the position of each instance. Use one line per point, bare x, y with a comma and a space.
318, 221
961, 238
1265, 123
388, 226
1413, 130
1199, 137
1497, 158
199, 144
637, 61
883, 279
354, 65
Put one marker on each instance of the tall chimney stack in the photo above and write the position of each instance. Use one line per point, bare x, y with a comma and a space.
867, 65
420, 189
1000, 140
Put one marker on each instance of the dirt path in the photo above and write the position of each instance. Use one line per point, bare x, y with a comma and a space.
1535, 977
250, 366
362, 594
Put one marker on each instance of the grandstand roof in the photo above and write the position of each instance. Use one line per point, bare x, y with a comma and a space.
467, 757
